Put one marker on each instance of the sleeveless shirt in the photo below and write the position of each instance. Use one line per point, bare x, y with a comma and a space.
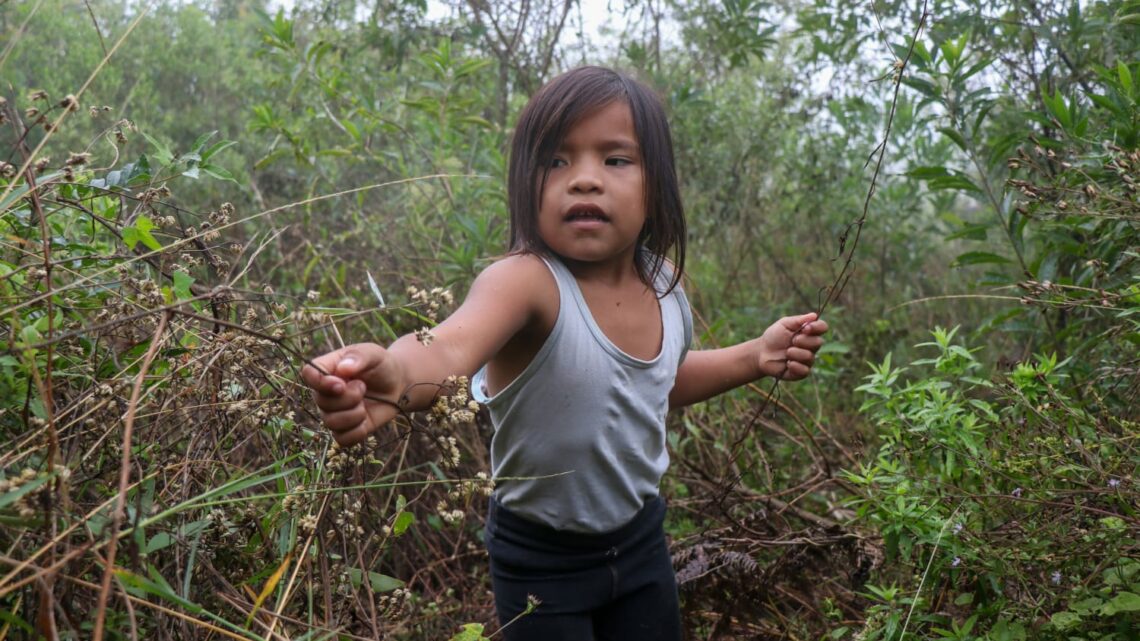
579, 440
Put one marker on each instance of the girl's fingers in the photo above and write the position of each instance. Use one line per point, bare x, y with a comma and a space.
807, 342
795, 371
800, 355
321, 383
345, 420
351, 395
815, 328
353, 435
796, 323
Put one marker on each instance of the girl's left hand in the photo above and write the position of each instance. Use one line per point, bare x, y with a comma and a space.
788, 347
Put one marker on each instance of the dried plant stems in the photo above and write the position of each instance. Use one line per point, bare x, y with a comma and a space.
124, 476
85, 280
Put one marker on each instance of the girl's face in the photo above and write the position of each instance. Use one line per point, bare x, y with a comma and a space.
592, 207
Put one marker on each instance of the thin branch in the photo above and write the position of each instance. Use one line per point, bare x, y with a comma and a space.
124, 476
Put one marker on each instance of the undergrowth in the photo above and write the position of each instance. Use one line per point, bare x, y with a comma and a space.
165, 473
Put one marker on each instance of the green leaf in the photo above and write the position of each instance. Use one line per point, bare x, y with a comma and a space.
470, 632
1105, 102
140, 231
970, 232
926, 88
207, 498
1125, 77
478, 121
159, 541
217, 172
144, 225
200, 144
951, 51
182, 283
132, 173
1065, 620
1123, 602
1087, 606
964, 599
978, 258
379, 582
402, 522
9, 617
215, 148
162, 153
927, 173
958, 181
142, 586
130, 237
954, 136
1058, 109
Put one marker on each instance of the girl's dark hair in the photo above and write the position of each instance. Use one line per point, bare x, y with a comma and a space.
551, 112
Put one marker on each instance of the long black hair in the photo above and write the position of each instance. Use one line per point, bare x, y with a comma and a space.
556, 108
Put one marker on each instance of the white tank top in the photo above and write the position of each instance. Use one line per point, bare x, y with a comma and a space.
579, 441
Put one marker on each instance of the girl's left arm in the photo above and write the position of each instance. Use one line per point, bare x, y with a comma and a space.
786, 350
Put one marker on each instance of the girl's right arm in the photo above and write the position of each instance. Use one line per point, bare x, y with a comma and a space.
511, 295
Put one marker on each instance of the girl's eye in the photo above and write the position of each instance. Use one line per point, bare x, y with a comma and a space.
618, 162
557, 162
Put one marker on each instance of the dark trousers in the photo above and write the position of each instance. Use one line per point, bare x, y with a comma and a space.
615, 586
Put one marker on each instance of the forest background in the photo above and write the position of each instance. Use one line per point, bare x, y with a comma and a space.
195, 197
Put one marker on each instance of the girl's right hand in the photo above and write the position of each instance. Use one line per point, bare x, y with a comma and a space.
349, 374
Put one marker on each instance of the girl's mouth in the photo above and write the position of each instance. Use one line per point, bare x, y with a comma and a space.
585, 213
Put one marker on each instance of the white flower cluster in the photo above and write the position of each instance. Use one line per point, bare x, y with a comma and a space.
431, 300
462, 493
449, 412
393, 606
346, 520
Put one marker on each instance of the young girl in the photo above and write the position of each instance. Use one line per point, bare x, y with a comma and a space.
578, 343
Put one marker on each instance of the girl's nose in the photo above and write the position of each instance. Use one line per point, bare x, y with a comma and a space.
585, 178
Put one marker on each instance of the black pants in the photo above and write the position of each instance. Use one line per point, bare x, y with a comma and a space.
615, 586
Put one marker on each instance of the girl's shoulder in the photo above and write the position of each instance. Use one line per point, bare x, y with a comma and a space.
525, 269
521, 281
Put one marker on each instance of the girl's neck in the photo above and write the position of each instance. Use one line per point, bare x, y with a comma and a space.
616, 273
